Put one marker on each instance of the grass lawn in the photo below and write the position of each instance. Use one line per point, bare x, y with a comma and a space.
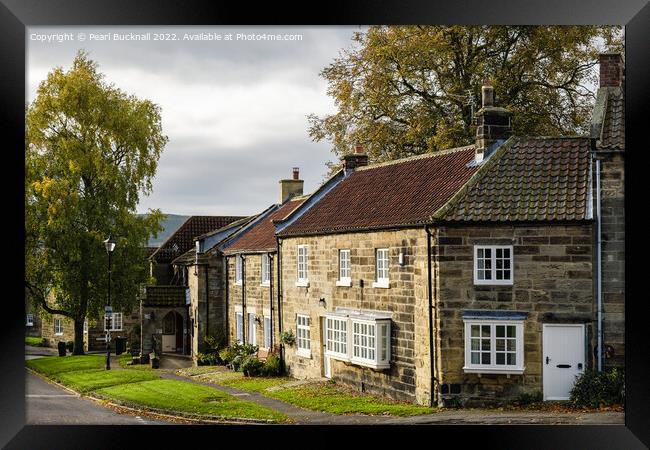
199, 370
173, 395
237, 380
336, 399
126, 357
51, 365
33, 340
90, 380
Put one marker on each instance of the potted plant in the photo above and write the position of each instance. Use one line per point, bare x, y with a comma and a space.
288, 338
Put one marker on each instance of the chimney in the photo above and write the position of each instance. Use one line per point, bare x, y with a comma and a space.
493, 124
358, 158
291, 188
612, 71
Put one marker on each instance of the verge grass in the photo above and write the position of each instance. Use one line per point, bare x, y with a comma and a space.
33, 340
188, 398
51, 365
336, 399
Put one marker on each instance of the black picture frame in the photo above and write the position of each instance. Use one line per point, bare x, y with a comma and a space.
15, 15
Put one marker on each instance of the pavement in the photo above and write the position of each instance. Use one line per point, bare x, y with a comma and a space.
48, 404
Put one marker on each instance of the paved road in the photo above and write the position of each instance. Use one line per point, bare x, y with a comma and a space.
48, 404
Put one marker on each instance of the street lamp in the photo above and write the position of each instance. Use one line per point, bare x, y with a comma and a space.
110, 246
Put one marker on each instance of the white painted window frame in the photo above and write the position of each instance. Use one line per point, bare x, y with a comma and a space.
252, 328
29, 320
382, 282
345, 281
302, 259
381, 347
58, 327
239, 326
113, 316
493, 367
336, 337
267, 331
303, 334
239, 269
493, 268
265, 275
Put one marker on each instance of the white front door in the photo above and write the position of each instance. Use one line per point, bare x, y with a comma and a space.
563, 358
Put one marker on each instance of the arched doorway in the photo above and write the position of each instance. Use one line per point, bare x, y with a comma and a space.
172, 336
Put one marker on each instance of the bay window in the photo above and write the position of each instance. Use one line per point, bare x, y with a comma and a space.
361, 338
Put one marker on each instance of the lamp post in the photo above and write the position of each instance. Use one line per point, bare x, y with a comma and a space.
110, 246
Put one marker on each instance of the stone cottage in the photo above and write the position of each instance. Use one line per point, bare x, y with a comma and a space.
165, 307
203, 271
477, 273
252, 263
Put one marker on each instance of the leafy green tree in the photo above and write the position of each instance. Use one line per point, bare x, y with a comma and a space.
407, 90
91, 150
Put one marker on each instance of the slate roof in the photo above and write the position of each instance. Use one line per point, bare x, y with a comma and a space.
261, 237
613, 132
393, 194
183, 239
528, 179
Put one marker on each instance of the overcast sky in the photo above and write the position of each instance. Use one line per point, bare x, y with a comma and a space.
234, 111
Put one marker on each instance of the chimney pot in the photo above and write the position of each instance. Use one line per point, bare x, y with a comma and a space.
291, 187
296, 173
611, 69
487, 94
358, 149
357, 158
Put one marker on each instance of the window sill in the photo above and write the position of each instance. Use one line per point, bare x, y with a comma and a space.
303, 354
371, 364
344, 283
265, 284
58, 334
489, 370
304, 283
382, 284
493, 282
238, 283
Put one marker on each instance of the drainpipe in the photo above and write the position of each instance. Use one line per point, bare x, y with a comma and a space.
599, 287
207, 301
279, 289
225, 265
243, 299
432, 311
271, 296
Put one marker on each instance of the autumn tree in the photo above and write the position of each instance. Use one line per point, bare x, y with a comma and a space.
91, 151
407, 90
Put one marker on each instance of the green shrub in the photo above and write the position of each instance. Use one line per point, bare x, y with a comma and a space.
272, 366
207, 359
236, 362
69, 346
251, 366
593, 388
529, 398
215, 343
248, 349
288, 338
227, 354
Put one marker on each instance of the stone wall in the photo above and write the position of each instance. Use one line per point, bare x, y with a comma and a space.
94, 339
208, 318
257, 297
613, 256
553, 283
47, 329
409, 375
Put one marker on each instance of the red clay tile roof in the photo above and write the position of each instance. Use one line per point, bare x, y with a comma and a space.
183, 239
613, 133
534, 179
398, 193
261, 237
